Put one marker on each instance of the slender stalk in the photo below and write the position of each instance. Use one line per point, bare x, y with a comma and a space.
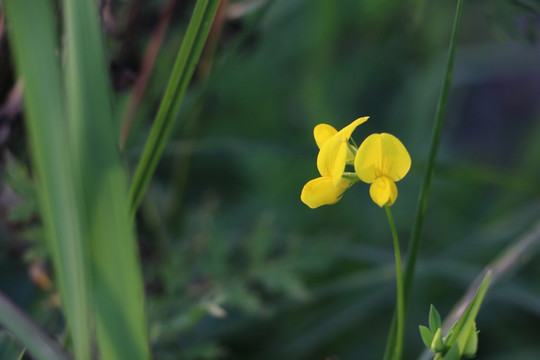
423, 197
399, 287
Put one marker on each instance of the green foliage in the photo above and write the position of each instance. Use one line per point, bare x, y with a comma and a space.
462, 338
434, 319
183, 69
33, 38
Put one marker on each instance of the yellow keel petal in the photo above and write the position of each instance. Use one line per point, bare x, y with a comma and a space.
383, 191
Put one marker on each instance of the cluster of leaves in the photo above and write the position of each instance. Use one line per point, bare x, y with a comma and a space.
461, 340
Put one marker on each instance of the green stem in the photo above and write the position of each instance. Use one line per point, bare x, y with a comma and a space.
423, 196
399, 287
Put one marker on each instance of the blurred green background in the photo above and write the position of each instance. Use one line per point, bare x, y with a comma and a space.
235, 266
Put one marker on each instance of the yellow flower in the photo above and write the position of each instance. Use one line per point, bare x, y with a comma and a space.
381, 160
335, 152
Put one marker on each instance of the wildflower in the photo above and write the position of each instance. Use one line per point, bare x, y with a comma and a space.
335, 152
381, 160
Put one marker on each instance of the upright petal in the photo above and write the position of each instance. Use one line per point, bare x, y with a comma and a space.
367, 162
323, 132
321, 191
382, 155
383, 191
396, 160
326, 160
346, 132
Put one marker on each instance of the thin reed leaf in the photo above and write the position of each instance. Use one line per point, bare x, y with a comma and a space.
32, 37
423, 197
29, 333
183, 69
116, 274
469, 314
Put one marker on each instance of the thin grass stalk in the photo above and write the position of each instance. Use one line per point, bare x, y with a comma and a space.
33, 39
118, 299
423, 197
183, 69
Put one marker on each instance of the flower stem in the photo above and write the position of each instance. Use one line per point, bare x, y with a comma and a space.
399, 287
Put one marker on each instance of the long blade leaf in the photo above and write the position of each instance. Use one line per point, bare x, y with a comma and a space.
116, 272
33, 337
183, 69
32, 35
423, 197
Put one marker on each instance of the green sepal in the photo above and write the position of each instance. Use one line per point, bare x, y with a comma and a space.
437, 344
453, 353
427, 336
434, 319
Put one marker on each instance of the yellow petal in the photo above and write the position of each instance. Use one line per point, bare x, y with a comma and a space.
346, 132
382, 155
326, 160
340, 163
323, 132
335, 151
321, 191
383, 191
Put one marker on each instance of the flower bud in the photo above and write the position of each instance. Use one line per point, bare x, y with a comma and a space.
437, 344
471, 346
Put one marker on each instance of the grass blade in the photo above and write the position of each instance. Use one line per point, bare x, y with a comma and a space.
33, 39
33, 337
470, 312
183, 69
116, 273
423, 197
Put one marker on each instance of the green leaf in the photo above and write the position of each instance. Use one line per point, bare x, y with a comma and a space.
100, 177
28, 332
466, 324
427, 336
183, 69
434, 319
33, 38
